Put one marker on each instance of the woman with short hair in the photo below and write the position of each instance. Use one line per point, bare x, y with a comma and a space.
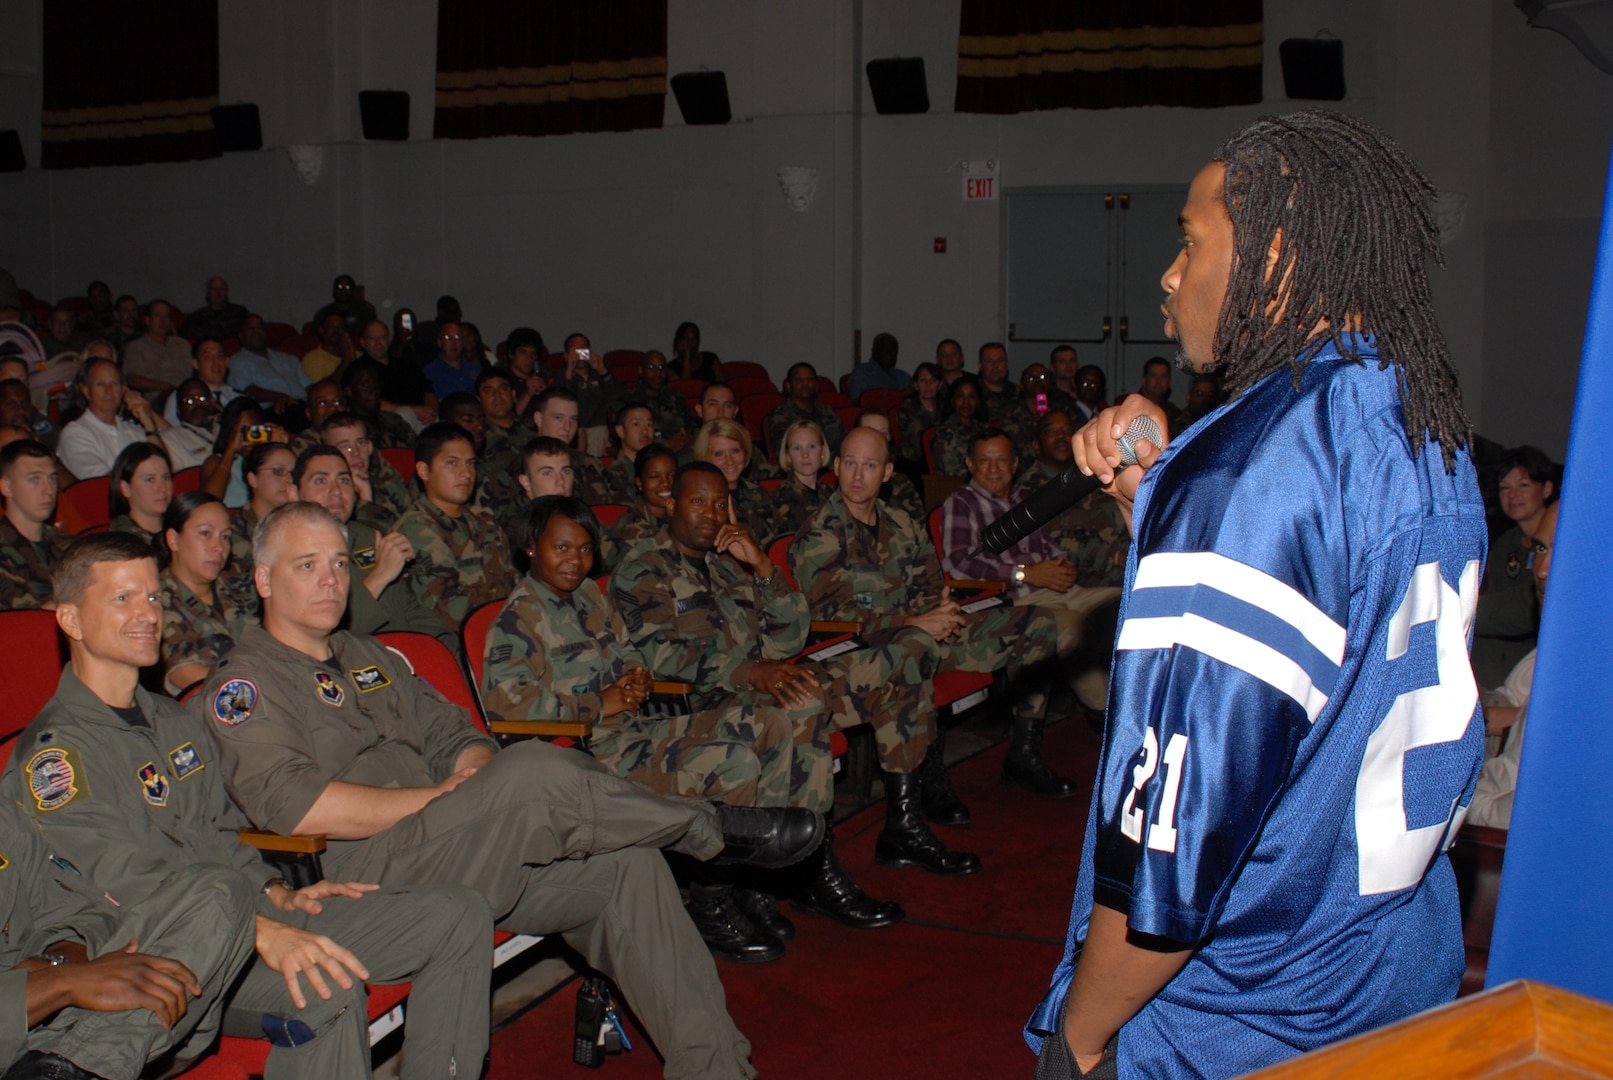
141, 485
200, 620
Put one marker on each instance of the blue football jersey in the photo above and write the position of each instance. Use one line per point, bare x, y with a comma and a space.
1293, 732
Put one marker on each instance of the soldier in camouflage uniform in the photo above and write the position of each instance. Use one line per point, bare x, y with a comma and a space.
29, 544
697, 616
858, 559
1092, 533
914, 417
674, 422
898, 491
801, 403
200, 621
954, 438
1021, 421
804, 454
267, 469
362, 384
326, 398
653, 471
461, 559
727, 445
998, 394
383, 494
554, 413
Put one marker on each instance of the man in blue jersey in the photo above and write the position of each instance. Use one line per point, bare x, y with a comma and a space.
1293, 728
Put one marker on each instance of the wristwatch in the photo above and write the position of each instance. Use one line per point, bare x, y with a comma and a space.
280, 881
54, 959
1019, 573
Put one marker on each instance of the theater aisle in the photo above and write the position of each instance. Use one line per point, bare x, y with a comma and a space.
944, 994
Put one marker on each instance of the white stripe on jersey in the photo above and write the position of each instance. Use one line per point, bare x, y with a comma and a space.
1230, 645
1178, 568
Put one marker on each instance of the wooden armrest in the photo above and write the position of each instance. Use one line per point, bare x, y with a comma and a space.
576, 729
660, 687
312, 844
818, 627
984, 586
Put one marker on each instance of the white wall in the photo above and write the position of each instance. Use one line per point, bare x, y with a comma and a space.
624, 235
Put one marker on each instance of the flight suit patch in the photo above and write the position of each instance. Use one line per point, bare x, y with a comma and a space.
369, 678
234, 701
3, 865
364, 558
330, 691
185, 761
153, 784
54, 777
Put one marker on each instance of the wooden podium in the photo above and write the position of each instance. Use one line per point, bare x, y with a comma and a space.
1520, 1030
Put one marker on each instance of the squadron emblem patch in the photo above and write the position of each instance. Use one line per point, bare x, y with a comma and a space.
185, 761
234, 701
364, 558
53, 777
330, 691
369, 678
154, 784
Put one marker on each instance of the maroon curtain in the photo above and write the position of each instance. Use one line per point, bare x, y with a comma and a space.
513, 67
129, 82
1023, 55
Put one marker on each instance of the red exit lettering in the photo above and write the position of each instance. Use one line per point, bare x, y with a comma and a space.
980, 188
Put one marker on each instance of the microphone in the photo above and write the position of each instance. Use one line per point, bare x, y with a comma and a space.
1058, 495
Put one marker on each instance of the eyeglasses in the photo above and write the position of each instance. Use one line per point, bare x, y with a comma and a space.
333, 403
197, 399
450, 337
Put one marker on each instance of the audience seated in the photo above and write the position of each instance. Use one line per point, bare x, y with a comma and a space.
1092, 534
376, 602
451, 371
466, 411
241, 426
727, 445
923, 408
405, 390
211, 366
560, 651
523, 359
362, 387
804, 455
688, 362
554, 413
326, 398
1506, 709
193, 431
96, 319
1204, 396
1035, 571
801, 403
127, 325
1092, 389
217, 318
705, 605
126, 789
949, 360
634, 429
159, 359
956, 434
717, 402
653, 470
1509, 611
356, 313
574, 851
546, 468
114, 417
504, 436
1063, 394
266, 468
998, 394
200, 621
1156, 386
29, 544
61, 335
861, 560
879, 371
674, 421
17, 405
274, 379
461, 560
1019, 422
898, 491
425, 335
597, 390
330, 357
139, 489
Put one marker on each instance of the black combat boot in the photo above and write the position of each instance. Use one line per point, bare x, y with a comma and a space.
941, 804
768, 837
725, 928
762, 909
830, 892
908, 841
1025, 768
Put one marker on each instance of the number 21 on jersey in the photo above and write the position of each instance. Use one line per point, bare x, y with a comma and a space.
1162, 833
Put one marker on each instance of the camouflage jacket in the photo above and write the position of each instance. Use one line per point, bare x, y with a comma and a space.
391, 494
912, 419
589, 472
616, 479
670, 411
954, 440
551, 657
1019, 424
498, 487
796, 505
459, 564
995, 405
900, 493
763, 512
125, 523
874, 575
705, 628
389, 430
395, 609
597, 395
235, 583
196, 632
780, 419
1092, 533
632, 528
25, 567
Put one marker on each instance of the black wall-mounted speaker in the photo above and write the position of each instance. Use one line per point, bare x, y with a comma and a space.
1313, 68
238, 127
898, 85
702, 97
385, 114
11, 159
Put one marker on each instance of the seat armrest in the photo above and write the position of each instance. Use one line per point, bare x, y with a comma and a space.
830, 627
297, 858
312, 844
661, 687
545, 729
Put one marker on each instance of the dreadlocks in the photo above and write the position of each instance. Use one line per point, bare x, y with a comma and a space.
1356, 218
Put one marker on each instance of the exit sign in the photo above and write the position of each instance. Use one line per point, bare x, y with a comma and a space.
981, 180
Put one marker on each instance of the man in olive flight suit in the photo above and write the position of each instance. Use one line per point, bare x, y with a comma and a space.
322, 731
126, 788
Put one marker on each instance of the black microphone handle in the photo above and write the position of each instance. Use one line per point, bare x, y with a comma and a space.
1039, 507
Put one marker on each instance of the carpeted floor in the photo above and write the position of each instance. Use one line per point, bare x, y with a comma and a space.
942, 995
